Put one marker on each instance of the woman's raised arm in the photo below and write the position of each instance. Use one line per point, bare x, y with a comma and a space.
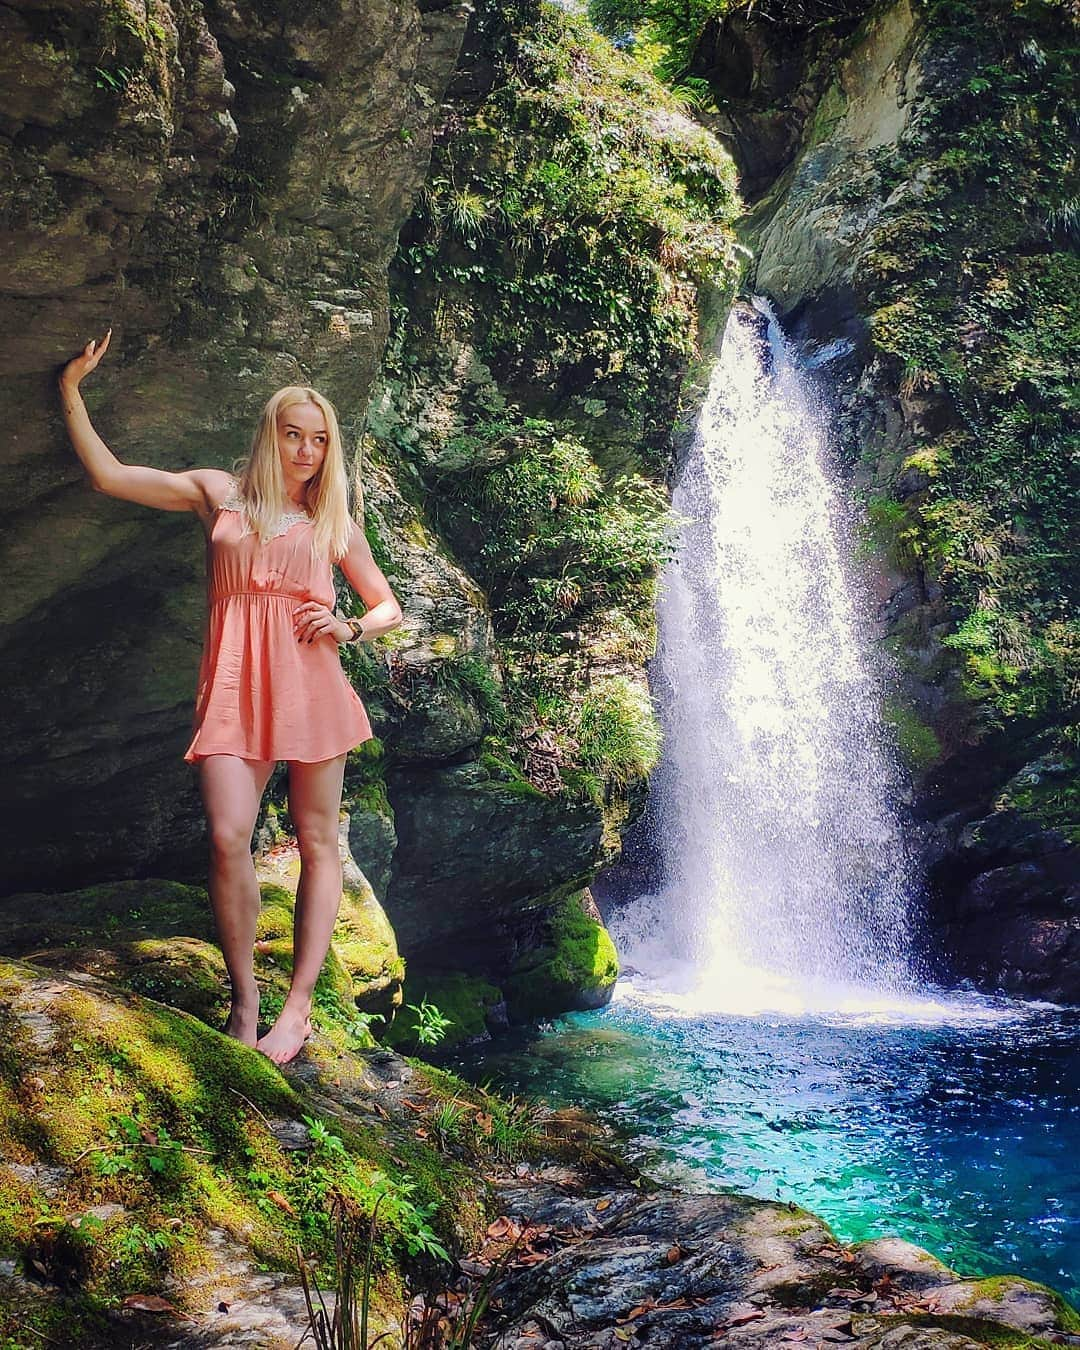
189, 490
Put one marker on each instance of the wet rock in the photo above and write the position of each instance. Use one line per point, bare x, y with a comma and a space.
906, 1266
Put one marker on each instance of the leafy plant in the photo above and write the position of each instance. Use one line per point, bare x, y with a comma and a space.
431, 1025
333, 1171
135, 1145
113, 80
346, 1326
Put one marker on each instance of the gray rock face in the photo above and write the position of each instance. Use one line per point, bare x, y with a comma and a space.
473, 856
223, 185
681, 1271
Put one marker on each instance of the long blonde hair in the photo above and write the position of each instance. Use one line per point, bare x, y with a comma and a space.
262, 484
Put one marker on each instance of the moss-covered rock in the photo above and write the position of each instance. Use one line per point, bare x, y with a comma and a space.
471, 1005
142, 1152
575, 965
363, 965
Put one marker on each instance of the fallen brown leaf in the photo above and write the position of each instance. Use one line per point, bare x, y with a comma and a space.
151, 1303
741, 1319
276, 1198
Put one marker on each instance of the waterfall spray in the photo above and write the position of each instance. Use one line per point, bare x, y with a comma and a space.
785, 874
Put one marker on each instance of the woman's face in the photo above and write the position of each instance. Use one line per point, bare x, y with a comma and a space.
302, 439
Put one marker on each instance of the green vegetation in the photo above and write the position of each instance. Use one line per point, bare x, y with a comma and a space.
545, 310
916, 741
665, 37
662, 36
974, 293
165, 1131
1048, 790
553, 542
448, 1009
618, 731
582, 204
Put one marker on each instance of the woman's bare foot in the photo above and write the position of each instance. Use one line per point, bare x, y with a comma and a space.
243, 1019
286, 1037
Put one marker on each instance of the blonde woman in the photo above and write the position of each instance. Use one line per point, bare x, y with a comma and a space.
270, 685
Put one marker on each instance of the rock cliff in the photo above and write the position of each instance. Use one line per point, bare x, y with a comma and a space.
238, 178
916, 231
223, 185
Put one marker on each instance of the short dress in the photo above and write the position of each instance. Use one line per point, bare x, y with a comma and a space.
261, 693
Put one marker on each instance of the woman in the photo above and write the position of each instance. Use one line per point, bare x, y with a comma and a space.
271, 685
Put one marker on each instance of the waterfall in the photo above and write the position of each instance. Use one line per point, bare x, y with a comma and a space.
785, 878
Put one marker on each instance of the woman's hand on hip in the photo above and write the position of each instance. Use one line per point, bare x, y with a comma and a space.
312, 620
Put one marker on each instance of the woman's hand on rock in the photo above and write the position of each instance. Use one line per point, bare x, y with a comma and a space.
312, 620
80, 366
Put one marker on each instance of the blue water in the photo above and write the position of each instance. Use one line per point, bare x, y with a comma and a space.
961, 1135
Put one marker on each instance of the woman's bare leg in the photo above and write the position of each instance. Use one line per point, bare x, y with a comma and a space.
314, 807
232, 789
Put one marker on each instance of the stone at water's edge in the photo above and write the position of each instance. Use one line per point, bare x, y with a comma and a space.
476, 859
676, 1271
573, 965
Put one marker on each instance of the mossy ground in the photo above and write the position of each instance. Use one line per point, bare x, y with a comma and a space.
184, 1133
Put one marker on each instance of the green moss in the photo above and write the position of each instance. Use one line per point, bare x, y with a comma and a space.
463, 998
973, 287
917, 742
150, 1110
974, 1328
578, 959
120, 910
997, 1288
371, 796
618, 731
1048, 791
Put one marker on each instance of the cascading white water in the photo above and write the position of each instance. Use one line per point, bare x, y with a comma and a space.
785, 873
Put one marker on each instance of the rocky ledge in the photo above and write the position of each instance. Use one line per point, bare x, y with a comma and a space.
158, 1183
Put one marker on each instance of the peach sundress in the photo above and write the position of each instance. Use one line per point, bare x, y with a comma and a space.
261, 693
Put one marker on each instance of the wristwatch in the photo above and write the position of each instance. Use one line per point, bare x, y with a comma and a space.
356, 628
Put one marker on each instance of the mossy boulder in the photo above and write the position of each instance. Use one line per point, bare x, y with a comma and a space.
371, 835
503, 851
575, 965
156, 937
141, 1152
363, 965
124, 910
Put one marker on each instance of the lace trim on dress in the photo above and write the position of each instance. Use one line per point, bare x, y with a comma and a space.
235, 502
